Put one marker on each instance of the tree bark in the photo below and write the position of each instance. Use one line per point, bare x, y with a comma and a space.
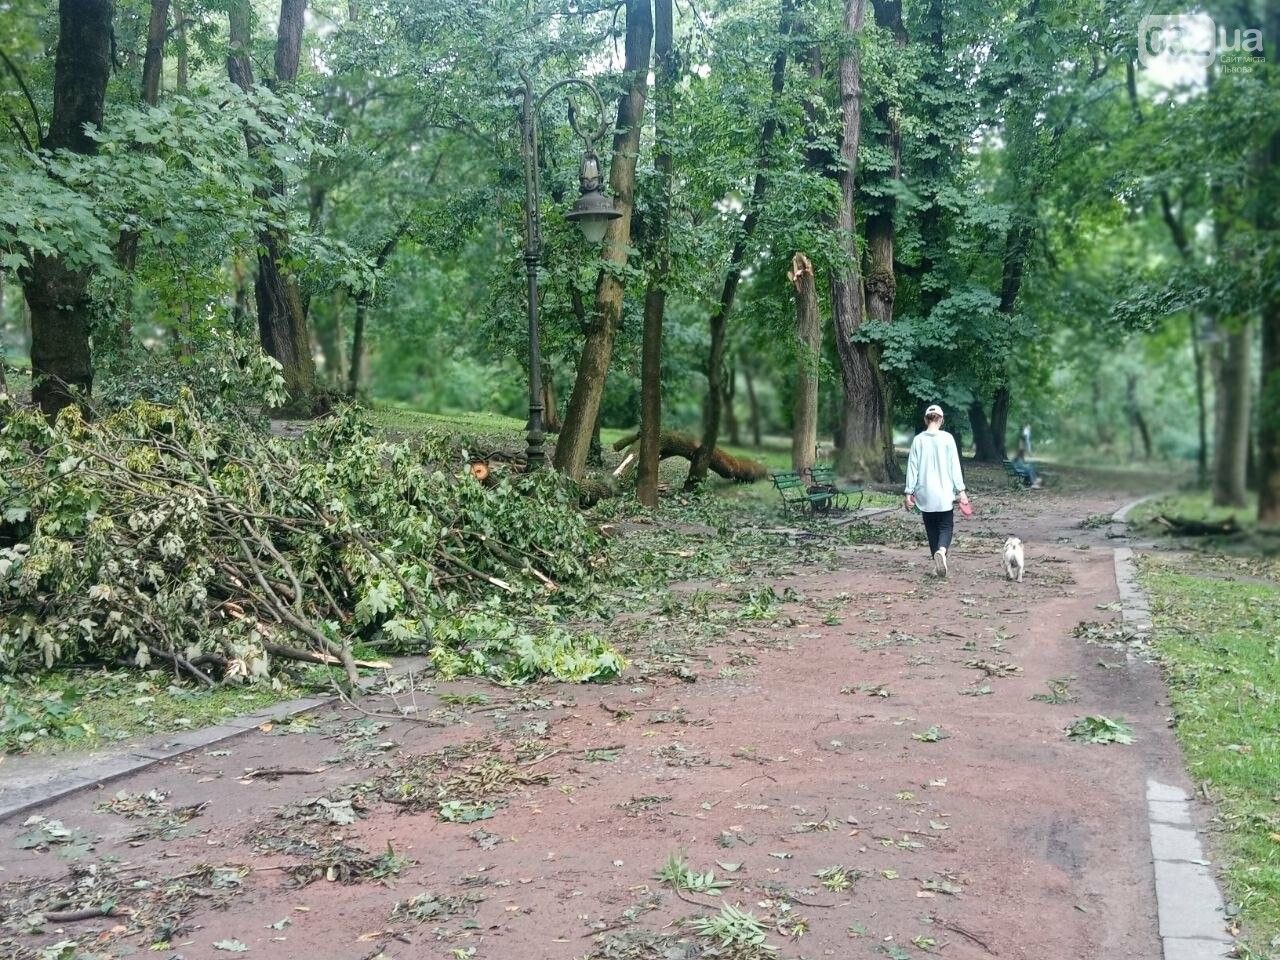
655, 298
1000, 422
804, 430
574, 442
57, 294
1268, 219
860, 450
180, 24
282, 322
737, 262
753, 405
1230, 363
1269, 418
881, 282
152, 68
153, 63
984, 445
1137, 421
551, 422
358, 350
730, 413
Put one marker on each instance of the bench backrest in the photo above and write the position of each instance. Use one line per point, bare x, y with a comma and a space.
789, 484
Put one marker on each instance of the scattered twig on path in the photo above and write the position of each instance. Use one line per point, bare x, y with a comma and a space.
379, 714
545, 756
275, 773
71, 916
730, 792
956, 928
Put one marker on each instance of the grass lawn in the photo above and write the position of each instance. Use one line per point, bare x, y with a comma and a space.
1216, 629
84, 709
1195, 505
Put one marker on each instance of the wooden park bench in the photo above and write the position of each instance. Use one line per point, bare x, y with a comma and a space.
823, 476
796, 494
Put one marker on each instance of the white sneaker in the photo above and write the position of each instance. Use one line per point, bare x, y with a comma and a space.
940, 562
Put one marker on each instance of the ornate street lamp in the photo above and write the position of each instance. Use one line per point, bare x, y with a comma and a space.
591, 213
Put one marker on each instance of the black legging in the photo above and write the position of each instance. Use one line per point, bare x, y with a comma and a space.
939, 526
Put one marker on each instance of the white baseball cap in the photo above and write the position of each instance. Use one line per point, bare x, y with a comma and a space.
932, 409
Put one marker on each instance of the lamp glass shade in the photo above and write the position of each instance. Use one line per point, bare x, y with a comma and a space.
594, 228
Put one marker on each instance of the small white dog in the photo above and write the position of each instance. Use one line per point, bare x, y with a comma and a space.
1014, 559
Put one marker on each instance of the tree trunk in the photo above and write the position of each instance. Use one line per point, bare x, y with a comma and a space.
282, 322
357, 348
737, 258
1000, 423
730, 414
153, 64
359, 353
550, 402
753, 405
574, 441
1137, 421
1268, 220
152, 68
655, 297
61, 363
881, 283
1202, 433
1231, 417
984, 444
860, 450
804, 430
180, 24
1269, 417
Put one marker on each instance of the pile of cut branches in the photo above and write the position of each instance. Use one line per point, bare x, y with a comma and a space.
159, 534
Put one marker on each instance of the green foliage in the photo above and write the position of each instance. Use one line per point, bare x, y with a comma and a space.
735, 929
677, 872
26, 718
163, 533
1099, 729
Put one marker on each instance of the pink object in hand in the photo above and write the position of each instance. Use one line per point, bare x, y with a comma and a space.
966, 508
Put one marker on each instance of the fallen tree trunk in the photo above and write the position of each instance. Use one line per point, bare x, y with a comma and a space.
675, 444
1198, 528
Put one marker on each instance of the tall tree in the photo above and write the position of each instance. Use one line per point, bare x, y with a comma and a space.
1267, 217
655, 298
881, 281
282, 319
861, 446
574, 442
58, 293
713, 405
804, 430
152, 68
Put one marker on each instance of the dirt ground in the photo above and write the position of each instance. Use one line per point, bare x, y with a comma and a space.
882, 723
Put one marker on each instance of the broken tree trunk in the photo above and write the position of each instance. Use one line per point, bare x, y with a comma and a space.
675, 444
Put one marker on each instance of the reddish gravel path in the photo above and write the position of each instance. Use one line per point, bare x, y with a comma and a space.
781, 758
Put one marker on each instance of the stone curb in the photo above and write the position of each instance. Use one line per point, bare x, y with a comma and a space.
1122, 515
1134, 607
40, 790
1189, 906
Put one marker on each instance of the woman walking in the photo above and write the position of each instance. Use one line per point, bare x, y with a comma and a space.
933, 483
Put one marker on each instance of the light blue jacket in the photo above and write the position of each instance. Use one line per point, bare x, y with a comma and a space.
933, 471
